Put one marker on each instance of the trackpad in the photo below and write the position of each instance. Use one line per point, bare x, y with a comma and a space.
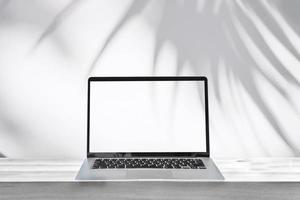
149, 174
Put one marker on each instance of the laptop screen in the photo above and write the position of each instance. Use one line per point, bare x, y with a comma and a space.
147, 116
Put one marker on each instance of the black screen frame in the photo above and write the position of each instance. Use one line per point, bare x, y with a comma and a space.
149, 154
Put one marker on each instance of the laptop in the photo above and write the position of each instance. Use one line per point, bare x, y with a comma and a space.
148, 128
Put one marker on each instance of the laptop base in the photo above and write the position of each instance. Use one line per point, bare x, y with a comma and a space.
211, 173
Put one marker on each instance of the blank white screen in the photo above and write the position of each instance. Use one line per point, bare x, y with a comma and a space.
147, 116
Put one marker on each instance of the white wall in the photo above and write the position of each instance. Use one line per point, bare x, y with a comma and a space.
250, 51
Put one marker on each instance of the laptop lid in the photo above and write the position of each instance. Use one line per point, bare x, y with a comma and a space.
147, 117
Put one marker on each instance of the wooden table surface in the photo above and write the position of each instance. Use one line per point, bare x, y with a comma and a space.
259, 178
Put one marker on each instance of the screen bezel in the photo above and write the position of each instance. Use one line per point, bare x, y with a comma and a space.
149, 154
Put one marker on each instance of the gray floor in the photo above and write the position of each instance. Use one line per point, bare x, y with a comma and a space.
150, 190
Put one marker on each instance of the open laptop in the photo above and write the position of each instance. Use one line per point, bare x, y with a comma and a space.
148, 128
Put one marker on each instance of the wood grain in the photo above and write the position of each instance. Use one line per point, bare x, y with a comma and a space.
258, 169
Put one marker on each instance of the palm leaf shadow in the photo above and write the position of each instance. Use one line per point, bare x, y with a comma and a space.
252, 89
57, 20
288, 35
179, 24
136, 7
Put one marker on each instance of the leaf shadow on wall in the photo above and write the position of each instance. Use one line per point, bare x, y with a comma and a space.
226, 34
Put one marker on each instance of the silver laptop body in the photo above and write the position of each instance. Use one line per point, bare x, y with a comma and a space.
148, 118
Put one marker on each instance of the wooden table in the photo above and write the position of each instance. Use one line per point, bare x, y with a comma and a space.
260, 178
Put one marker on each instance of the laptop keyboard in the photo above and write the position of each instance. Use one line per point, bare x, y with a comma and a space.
158, 163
